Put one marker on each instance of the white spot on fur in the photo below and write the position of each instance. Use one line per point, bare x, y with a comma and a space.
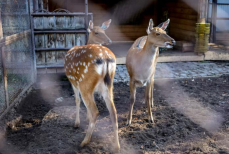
90, 55
99, 69
92, 125
83, 63
86, 70
101, 54
78, 68
82, 75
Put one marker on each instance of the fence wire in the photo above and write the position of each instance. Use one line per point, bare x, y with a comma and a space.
18, 57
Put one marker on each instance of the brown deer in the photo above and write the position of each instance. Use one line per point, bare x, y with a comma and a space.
141, 63
91, 68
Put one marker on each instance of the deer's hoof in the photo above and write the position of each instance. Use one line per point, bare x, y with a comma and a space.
77, 125
128, 123
117, 149
83, 144
151, 121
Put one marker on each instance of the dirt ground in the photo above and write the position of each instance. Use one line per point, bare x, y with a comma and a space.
191, 116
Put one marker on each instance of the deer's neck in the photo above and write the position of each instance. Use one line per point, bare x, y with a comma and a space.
90, 40
149, 48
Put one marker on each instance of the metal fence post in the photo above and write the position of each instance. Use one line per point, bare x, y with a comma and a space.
4, 73
86, 19
33, 54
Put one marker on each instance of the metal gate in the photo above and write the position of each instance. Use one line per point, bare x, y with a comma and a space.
55, 33
17, 69
218, 15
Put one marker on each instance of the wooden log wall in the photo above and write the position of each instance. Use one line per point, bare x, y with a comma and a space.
116, 10
183, 17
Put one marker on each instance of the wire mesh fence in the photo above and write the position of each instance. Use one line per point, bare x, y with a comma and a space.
16, 61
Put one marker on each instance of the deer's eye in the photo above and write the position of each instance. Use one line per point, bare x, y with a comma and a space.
96, 33
158, 34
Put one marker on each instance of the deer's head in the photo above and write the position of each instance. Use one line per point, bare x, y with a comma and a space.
97, 34
157, 35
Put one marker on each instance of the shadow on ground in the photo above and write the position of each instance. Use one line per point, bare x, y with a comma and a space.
44, 124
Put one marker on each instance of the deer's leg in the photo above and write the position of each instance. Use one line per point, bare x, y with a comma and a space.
77, 100
148, 101
132, 100
151, 90
93, 112
88, 116
108, 97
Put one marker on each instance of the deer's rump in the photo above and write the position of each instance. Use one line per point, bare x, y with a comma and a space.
83, 62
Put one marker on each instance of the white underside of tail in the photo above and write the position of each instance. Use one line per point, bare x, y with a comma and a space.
101, 68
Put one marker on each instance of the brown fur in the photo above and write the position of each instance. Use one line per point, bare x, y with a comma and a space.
141, 63
87, 67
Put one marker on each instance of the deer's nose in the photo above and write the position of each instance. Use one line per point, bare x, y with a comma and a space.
173, 42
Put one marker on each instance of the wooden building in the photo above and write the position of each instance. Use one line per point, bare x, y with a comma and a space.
130, 19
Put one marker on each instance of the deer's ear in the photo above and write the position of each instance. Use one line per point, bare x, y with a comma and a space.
164, 25
90, 26
106, 24
150, 27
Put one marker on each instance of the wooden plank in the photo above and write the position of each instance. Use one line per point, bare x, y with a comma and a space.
80, 22
70, 40
178, 5
61, 57
80, 39
183, 32
49, 23
184, 16
39, 41
51, 57
38, 22
60, 40
183, 27
223, 42
70, 22
50, 41
222, 36
60, 22
183, 21
182, 11
40, 58
180, 37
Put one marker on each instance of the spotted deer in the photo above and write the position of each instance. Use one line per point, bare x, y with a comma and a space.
141, 62
91, 68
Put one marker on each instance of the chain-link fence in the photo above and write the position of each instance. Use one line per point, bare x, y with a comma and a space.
17, 58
